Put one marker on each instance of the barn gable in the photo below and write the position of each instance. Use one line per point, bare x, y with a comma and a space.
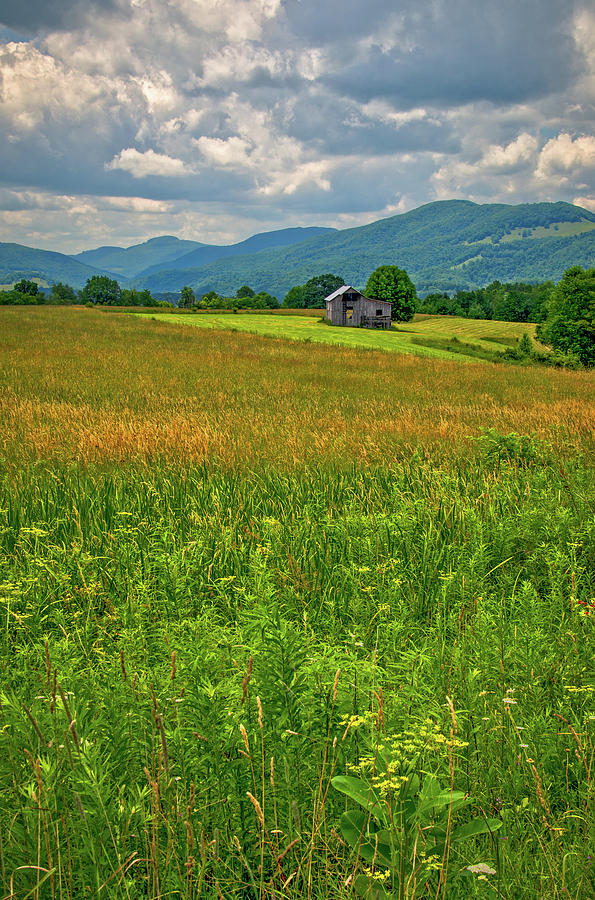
348, 306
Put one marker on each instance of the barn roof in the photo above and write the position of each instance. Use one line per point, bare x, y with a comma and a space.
347, 287
343, 290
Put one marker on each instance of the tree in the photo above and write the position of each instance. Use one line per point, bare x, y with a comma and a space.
132, 297
187, 298
102, 289
211, 300
245, 291
294, 298
27, 287
317, 289
313, 293
394, 284
63, 293
570, 321
267, 300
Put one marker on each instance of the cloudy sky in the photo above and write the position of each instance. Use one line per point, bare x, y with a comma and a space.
215, 119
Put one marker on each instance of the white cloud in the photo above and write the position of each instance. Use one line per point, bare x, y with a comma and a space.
564, 155
505, 159
234, 151
585, 202
309, 174
142, 165
382, 110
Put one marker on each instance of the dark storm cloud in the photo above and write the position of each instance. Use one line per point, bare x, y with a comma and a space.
32, 16
337, 127
461, 52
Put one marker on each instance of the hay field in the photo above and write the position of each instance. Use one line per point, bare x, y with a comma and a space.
83, 385
310, 328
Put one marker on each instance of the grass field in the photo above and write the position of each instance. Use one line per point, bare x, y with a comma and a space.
83, 385
281, 621
310, 328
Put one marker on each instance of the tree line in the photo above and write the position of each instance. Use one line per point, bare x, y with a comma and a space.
510, 302
565, 312
99, 289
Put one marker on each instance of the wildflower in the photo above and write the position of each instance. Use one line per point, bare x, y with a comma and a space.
481, 869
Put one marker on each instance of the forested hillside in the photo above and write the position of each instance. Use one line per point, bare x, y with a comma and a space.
447, 245
17, 261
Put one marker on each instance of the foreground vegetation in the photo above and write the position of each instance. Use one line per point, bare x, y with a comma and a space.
265, 635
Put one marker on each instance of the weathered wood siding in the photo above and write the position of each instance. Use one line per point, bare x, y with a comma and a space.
354, 310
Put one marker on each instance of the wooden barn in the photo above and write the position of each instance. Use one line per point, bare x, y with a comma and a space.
346, 306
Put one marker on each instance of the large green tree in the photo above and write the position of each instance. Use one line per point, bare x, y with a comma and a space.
102, 289
313, 293
317, 289
187, 298
27, 287
62, 293
570, 322
294, 298
394, 284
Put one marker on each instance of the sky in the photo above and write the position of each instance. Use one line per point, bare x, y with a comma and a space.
215, 119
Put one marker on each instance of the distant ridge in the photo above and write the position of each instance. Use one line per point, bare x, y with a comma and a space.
18, 261
445, 246
204, 254
130, 261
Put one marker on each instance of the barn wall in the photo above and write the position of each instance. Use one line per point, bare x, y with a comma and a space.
362, 308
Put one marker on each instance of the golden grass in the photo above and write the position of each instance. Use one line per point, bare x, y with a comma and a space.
78, 385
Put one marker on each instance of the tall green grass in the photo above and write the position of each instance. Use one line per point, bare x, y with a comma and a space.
189, 657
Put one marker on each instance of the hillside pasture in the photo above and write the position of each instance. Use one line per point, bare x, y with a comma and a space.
397, 340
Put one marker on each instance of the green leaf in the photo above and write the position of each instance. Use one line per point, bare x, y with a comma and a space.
440, 800
474, 827
362, 792
360, 832
370, 889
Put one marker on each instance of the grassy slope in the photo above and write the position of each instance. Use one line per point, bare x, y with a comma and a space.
309, 328
92, 385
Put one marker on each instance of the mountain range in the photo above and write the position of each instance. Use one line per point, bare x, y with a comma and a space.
444, 246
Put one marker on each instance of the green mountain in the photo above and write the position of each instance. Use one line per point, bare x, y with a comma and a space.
447, 245
45, 266
206, 253
171, 253
130, 261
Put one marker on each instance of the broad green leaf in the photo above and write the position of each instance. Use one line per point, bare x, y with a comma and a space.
440, 800
359, 831
363, 793
475, 826
371, 889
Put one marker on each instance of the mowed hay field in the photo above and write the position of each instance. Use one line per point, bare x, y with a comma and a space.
290, 621
407, 338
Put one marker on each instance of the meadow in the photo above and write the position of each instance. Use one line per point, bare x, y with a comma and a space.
281, 621
412, 337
